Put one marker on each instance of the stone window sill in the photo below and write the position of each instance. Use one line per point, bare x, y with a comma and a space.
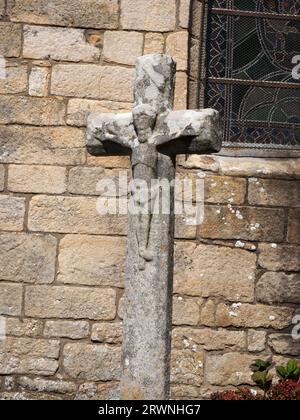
244, 166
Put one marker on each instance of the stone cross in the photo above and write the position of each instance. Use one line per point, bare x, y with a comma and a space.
152, 135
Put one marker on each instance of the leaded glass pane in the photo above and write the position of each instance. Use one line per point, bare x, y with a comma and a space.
250, 49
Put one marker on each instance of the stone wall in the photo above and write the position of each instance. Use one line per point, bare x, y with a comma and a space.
62, 264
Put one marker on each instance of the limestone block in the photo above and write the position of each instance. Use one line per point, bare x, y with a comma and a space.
92, 181
10, 299
28, 258
284, 344
154, 43
2, 177
246, 223
253, 316
11, 39
195, 275
256, 340
37, 179
267, 192
28, 356
184, 13
187, 367
92, 260
32, 111
294, 226
79, 109
110, 333
46, 385
39, 81
92, 362
23, 327
42, 145
12, 212
15, 80
278, 288
67, 329
177, 47
122, 47
277, 257
54, 43
152, 15
101, 14
229, 369
185, 311
73, 215
70, 302
208, 339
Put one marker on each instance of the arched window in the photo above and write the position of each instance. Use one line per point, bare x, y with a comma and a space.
250, 71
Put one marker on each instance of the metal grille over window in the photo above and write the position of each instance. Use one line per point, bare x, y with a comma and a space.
251, 71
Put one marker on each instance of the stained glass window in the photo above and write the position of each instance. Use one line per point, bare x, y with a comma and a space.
251, 76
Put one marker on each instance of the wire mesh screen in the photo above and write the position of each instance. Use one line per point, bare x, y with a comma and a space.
251, 50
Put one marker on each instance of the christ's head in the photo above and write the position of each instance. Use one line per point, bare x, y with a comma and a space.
144, 118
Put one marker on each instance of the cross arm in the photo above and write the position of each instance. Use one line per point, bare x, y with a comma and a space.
189, 132
110, 134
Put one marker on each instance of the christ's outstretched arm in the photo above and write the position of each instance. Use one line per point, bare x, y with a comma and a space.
111, 132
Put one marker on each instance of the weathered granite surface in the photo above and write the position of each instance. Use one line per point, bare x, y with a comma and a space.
152, 135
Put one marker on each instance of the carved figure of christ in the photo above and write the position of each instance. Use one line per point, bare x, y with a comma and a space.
152, 135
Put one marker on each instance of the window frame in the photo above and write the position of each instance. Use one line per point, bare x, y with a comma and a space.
199, 99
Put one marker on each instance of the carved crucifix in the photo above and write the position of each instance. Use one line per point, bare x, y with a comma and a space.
152, 135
